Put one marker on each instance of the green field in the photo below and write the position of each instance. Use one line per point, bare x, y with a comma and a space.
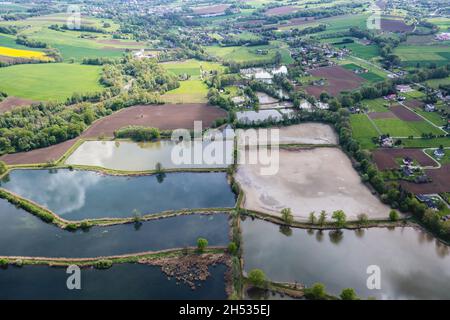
359, 50
426, 143
192, 67
190, 91
400, 128
363, 130
249, 54
376, 105
72, 44
435, 83
412, 55
369, 76
51, 81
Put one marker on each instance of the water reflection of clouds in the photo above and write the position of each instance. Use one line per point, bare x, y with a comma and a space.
63, 192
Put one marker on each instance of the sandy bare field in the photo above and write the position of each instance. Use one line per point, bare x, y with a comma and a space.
304, 133
309, 180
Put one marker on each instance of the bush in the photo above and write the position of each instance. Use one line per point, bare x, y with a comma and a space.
286, 215
3, 167
232, 248
138, 133
103, 264
4, 263
202, 243
316, 292
71, 227
348, 294
340, 218
393, 215
257, 277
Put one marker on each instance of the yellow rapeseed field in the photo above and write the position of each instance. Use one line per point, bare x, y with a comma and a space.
26, 54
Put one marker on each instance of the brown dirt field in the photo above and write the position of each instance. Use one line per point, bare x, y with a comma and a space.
440, 182
393, 25
381, 115
211, 9
404, 114
415, 104
385, 158
118, 42
339, 79
14, 102
165, 117
281, 10
42, 155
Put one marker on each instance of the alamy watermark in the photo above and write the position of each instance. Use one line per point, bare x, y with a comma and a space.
217, 148
73, 21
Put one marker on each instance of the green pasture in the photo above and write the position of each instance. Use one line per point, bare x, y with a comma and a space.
363, 130
249, 54
413, 55
192, 67
190, 91
399, 128
50, 81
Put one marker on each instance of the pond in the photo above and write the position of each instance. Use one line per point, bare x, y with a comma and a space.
131, 156
77, 195
127, 281
413, 264
22, 234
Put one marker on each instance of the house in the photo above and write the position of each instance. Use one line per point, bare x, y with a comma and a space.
427, 200
407, 161
429, 108
403, 88
439, 153
322, 105
386, 141
407, 171
281, 70
305, 105
391, 96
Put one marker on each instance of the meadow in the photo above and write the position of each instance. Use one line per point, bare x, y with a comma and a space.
190, 91
413, 55
192, 67
369, 76
50, 81
363, 130
249, 54
399, 128
73, 45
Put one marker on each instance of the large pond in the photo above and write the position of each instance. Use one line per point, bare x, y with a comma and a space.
22, 234
413, 264
128, 281
77, 195
131, 156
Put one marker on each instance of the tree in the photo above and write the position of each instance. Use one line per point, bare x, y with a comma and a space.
202, 243
393, 215
232, 248
257, 277
363, 218
316, 292
3, 167
348, 294
286, 215
312, 217
340, 218
322, 217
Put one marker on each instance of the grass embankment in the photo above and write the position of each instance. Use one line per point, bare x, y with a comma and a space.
50, 217
107, 261
328, 225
